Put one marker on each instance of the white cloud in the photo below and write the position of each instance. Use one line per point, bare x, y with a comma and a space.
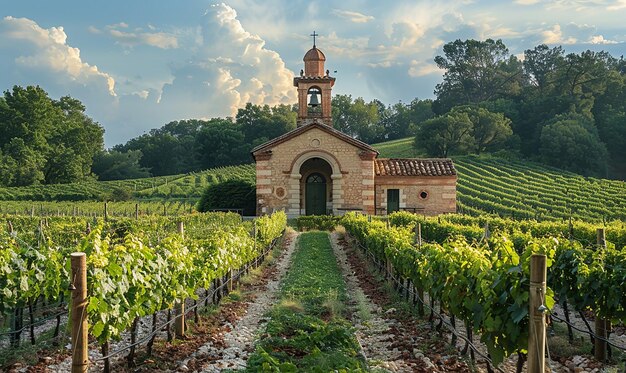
421, 68
383, 64
46, 50
231, 68
617, 5
498, 32
407, 34
599, 39
527, 2
94, 30
582, 5
156, 39
153, 38
118, 25
355, 17
143, 94
555, 36
354, 48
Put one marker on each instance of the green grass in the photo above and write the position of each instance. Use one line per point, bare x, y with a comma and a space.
307, 330
401, 148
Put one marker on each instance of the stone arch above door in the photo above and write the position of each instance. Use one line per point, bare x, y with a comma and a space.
306, 155
295, 178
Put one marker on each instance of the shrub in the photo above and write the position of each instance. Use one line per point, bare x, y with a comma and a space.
319, 222
232, 194
121, 193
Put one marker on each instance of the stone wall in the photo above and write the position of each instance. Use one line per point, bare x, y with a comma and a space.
440, 190
278, 174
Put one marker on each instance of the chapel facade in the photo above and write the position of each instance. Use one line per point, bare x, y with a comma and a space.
316, 169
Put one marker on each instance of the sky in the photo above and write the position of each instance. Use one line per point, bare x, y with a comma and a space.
139, 64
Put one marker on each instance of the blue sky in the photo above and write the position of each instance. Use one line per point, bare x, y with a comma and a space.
137, 65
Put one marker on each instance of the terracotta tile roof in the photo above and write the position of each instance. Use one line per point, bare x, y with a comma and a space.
414, 167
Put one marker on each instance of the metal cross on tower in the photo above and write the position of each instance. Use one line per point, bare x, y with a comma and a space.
314, 35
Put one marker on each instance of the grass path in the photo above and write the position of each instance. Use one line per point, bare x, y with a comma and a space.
308, 329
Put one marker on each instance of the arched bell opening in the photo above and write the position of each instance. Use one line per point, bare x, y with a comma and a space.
314, 101
316, 187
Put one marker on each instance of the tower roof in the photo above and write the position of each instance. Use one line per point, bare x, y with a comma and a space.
314, 54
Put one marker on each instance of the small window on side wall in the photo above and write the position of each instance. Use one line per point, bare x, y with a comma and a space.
423, 194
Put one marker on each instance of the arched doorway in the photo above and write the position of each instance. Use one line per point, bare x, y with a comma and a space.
316, 186
315, 194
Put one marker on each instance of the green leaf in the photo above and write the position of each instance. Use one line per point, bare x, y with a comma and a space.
114, 269
97, 329
24, 283
518, 312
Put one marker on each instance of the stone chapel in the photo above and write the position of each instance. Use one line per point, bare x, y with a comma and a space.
316, 169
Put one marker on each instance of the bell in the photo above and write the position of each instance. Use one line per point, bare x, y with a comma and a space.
314, 100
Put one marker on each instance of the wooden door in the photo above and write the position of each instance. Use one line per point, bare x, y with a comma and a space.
315, 195
393, 200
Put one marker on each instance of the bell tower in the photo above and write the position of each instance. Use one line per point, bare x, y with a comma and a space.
314, 89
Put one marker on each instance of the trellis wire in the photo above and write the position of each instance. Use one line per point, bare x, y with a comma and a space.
554, 316
449, 326
168, 324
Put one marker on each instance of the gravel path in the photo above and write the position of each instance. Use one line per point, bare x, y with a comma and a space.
376, 331
239, 341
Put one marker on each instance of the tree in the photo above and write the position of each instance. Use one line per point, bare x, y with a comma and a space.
572, 143
114, 165
610, 114
167, 150
419, 111
257, 121
444, 135
489, 130
22, 165
358, 118
541, 64
402, 120
54, 140
340, 113
364, 121
476, 71
221, 142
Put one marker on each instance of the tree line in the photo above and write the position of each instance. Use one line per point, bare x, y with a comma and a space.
193, 145
566, 110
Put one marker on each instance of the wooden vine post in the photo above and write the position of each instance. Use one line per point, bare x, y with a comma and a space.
537, 329
418, 235
80, 361
601, 324
420, 291
179, 324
